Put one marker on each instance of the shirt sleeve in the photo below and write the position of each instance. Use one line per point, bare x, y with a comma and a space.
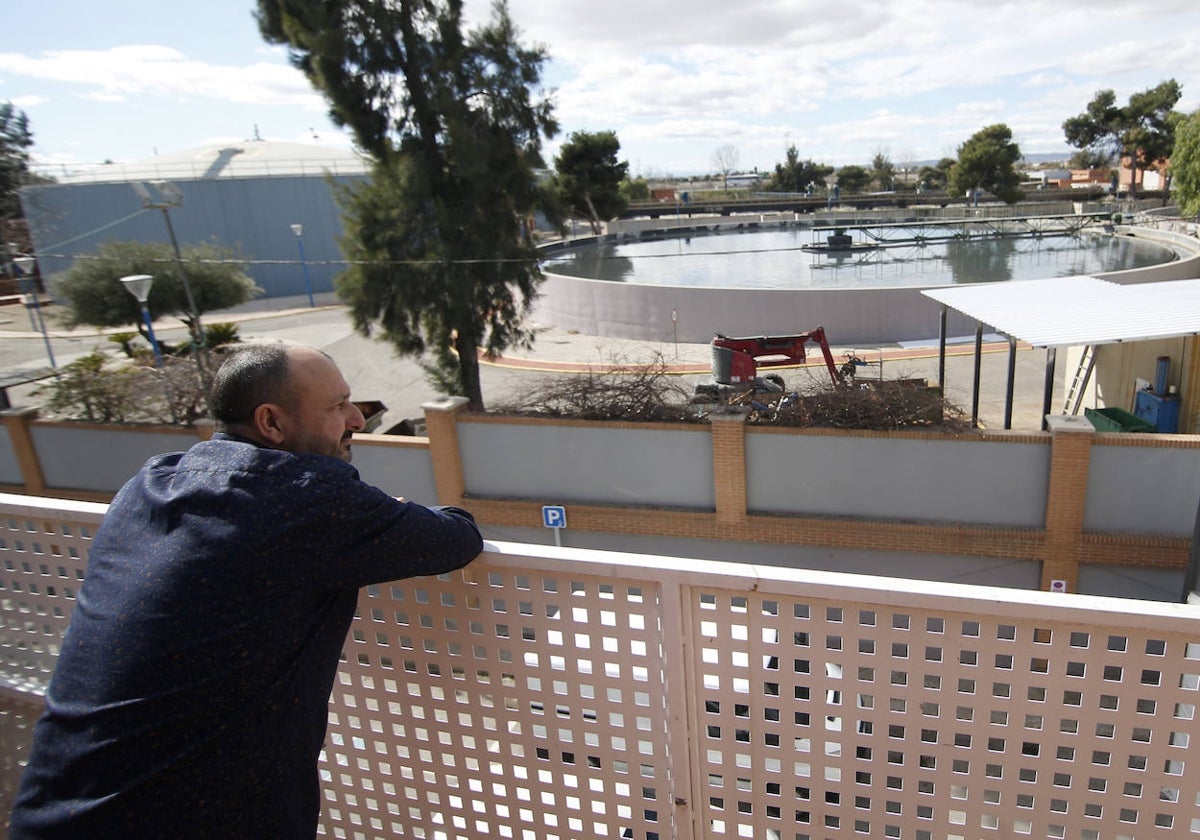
366, 536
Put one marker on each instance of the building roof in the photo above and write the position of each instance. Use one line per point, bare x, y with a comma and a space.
1068, 311
244, 159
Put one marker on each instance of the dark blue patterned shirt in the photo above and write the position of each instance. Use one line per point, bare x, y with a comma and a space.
190, 698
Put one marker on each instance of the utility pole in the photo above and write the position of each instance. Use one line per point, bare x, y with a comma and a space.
22, 269
169, 196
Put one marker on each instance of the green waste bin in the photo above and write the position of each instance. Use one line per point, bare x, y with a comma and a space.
1116, 420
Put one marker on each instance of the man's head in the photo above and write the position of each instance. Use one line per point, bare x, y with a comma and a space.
290, 398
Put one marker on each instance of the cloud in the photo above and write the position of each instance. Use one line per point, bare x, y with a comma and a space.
675, 80
841, 82
147, 70
105, 97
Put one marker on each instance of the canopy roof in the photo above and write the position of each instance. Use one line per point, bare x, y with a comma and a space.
1067, 311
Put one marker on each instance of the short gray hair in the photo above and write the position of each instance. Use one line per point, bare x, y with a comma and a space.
249, 377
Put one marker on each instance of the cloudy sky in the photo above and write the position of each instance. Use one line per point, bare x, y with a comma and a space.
676, 79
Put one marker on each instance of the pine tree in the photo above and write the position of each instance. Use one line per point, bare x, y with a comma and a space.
438, 238
987, 161
15, 142
1143, 130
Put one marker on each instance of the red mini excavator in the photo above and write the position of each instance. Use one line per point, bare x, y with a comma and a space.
736, 362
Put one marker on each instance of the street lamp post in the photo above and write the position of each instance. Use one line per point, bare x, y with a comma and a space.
32, 304
138, 285
299, 231
170, 196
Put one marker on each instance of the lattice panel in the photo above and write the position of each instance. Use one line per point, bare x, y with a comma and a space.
43, 557
604, 696
823, 719
494, 703
17, 717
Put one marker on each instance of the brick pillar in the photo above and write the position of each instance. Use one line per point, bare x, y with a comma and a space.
1066, 498
729, 464
17, 420
441, 427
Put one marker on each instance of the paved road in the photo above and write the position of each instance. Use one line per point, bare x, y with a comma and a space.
375, 373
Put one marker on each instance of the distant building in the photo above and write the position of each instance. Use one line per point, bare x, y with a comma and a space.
744, 180
1090, 178
1148, 177
245, 196
1051, 177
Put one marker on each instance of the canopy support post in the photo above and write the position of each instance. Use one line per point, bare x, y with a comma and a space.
1012, 382
1051, 355
942, 352
978, 364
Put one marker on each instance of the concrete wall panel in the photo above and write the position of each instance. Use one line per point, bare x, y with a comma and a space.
975, 482
575, 463
100, 459
10, 468
1143, 490
399, 470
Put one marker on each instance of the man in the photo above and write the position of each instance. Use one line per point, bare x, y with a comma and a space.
190, 698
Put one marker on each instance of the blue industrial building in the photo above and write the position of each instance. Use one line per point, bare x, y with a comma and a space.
244, 196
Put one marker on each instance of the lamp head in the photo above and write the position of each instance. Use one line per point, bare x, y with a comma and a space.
298, 229
138, 285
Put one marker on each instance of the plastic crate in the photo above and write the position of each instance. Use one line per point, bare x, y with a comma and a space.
1116, 420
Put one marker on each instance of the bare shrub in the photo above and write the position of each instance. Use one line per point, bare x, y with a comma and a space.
103, 389
890, 405
647, 391
621, 390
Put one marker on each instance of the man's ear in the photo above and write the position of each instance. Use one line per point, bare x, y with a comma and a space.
268, 423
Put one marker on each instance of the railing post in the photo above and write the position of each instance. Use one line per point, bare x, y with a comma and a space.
441, 427
1066, 498
680, 673
729, 463
18, 421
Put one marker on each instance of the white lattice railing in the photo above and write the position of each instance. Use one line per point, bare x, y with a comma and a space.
556, 693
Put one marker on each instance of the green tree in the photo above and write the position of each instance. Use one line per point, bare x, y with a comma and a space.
853, 178
635, 189
588, 175
796, 175
1142, 130
15, 142
91, 291
987, 161
1185, 165
883, 171
442, 258
936, 178
1092, 158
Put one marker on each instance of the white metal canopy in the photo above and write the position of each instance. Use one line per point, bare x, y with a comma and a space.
1067, 311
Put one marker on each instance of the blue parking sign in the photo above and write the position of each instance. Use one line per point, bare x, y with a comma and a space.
554, 516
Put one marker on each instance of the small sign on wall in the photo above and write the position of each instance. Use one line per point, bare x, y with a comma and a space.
1058, 585
554, 516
